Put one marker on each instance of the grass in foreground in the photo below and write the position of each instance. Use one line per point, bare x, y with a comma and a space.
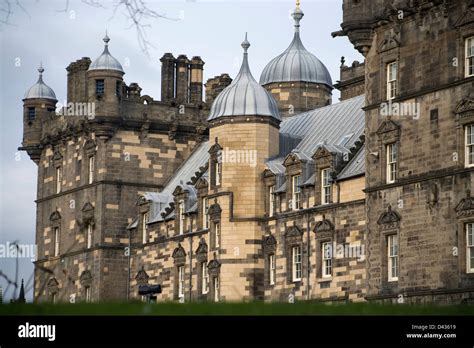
251, 308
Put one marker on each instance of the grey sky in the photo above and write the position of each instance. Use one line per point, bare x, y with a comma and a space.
210, 29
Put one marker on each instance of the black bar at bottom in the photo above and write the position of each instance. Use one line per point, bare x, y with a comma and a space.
238, 330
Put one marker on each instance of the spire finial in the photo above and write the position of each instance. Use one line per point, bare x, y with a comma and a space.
40, 69
245, 44
106, 38
297, 16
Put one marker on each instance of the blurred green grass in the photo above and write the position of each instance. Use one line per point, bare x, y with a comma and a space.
249, 308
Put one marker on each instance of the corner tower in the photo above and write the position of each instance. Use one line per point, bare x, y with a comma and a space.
39, 102
297, 79
244, 122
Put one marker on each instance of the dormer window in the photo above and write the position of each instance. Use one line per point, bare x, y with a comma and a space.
31, 114
296, 189
181, 217
325, 186
99, 87
392, 80
469, 145
470, 56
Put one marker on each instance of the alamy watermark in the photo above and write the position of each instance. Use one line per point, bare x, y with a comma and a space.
15, 250
403, 109
241, 156
76, 109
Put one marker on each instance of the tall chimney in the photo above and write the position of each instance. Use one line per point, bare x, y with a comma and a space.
182, 79
195, 86
167, 77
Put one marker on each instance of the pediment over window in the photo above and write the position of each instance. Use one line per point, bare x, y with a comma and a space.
214, 212
269, 240
324, 226
293, 235
142, 277
88, 208
202, 247
291, 159
389, 219
467, 17
389, 131
179, 254
465, 207
391, 41
214, 266
267, 173
215, 148
322, 152
86, 278
269, 243
465, 108
57, 156
53, 285
55, 216
90, 146
202, 183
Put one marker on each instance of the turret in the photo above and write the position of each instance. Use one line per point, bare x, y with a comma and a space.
39, 102
244, 120
297, 79
104, 83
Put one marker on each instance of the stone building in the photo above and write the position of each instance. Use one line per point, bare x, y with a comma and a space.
267, 191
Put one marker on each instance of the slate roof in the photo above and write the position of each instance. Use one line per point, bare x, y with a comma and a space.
337, 127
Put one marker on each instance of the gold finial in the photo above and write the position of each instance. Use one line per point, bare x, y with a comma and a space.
298, 4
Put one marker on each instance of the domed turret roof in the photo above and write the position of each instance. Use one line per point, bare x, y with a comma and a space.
244, 96
106, 61
296, 64
40, 89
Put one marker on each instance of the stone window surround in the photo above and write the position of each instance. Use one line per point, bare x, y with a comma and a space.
322, 160
201, 259
179, 259
215, 212
392, 136
390, 56
464, 215
202, 187
215, 160
292, 170
465, 32
384, 234
53, 288
389, 224
55, 222
324, 232
464, 117
270, 181
214, 270
269, 247
294, 238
